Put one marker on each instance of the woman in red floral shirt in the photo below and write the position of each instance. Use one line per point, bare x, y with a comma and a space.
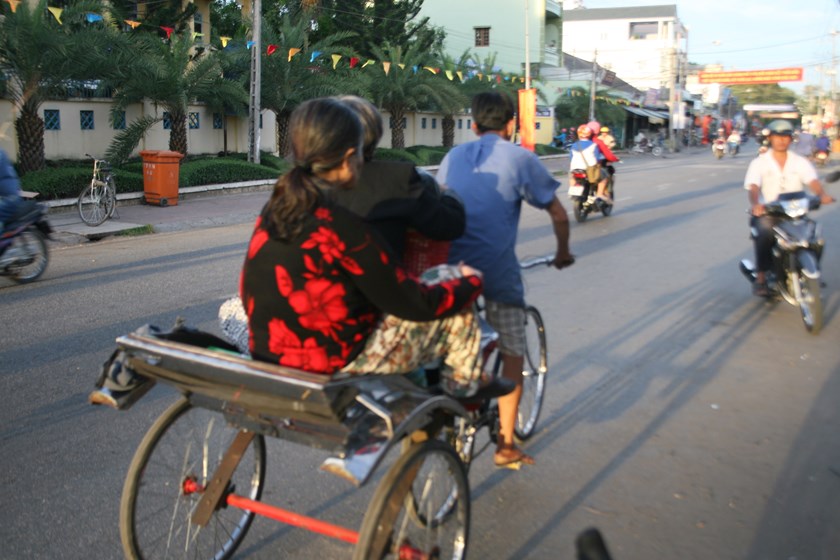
323, 295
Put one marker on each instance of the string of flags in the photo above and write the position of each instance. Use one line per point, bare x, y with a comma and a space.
271, 49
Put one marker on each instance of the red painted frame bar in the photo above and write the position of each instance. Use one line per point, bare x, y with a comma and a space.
294, 519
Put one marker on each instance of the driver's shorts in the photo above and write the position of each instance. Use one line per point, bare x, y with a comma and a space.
509, 321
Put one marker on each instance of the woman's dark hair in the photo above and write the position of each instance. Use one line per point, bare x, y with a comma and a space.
371, 122
492, 110
322, 130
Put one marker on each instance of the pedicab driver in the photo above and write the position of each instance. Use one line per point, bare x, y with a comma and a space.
493, 177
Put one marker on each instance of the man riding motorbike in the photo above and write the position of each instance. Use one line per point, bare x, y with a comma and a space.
769, 175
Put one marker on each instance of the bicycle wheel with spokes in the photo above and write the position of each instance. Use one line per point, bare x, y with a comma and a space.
533, 374
93, 204
165, 482
431, 478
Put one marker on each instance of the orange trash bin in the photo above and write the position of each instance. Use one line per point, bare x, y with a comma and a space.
160, 176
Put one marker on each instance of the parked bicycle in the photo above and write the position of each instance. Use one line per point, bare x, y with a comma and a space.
99, 199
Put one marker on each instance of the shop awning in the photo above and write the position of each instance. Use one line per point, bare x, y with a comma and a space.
653, 116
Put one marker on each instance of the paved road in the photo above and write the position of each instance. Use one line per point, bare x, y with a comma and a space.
684, 418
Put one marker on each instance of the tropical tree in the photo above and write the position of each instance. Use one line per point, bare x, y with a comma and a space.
290, 78
573, 108
171, 74
374, 23
406, 81
40, 57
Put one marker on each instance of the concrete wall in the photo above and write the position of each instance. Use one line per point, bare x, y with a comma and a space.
71, 142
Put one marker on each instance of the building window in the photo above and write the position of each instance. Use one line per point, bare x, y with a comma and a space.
423, 123
460, 124
482, 36
167, 121
52, 119
434, 123
218, 121
260, 120
119, 121
644, 30
197, 26
537, 125
86, 120
194, 122
469, 123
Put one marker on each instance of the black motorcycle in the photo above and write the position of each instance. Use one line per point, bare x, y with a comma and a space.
23, 245
794, 273
582, 193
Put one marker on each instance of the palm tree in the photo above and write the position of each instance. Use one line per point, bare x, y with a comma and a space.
39, 58
171, 74
286, 83
407, 85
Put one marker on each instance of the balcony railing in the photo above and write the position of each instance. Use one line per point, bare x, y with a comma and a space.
553, 8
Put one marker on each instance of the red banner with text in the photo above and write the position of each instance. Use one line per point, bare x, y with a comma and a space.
752, 76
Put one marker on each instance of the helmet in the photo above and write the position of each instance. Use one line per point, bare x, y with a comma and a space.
584, 130
780, 127
594, 126
605, 129
562, 130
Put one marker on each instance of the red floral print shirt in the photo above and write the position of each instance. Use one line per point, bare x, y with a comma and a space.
312, 302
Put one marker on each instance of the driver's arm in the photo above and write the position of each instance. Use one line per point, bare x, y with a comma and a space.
817, 188
754, 194
560, 223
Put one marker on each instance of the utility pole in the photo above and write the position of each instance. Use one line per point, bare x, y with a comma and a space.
834, 33
592, 86
673, 100
527, 50
256, 84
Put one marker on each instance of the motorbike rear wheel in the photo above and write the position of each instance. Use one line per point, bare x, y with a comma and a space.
656, 151
580, 213
34, 259
810, 304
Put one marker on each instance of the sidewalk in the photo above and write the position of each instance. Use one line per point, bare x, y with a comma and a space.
198, 207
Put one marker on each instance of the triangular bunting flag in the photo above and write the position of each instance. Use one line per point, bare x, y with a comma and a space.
195, 34
460, 75
13, 4
132, 24
367, 62
387, 67
335, 59
57, 13
449, 75
314, 55
224, 41
402, 66
250, 44
353, 61
168, 31
292, 52
90, 18
270, 50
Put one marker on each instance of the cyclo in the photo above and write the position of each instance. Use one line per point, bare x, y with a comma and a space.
195, 482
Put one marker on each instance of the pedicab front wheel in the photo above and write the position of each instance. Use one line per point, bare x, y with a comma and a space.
165, 483
421, 509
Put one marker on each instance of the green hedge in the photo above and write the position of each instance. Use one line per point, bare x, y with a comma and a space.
66, 179
223, 170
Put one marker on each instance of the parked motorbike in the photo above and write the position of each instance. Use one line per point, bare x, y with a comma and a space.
23, 245
821, 158
719, 148
794, 274
646, 147
582, 193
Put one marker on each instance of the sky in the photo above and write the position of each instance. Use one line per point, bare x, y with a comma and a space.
757, 34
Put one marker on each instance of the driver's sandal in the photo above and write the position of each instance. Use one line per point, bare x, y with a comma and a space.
511, 457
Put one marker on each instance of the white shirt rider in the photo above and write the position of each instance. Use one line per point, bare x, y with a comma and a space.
773, 180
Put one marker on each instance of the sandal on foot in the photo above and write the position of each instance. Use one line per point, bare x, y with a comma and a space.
511, 457
760, 289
